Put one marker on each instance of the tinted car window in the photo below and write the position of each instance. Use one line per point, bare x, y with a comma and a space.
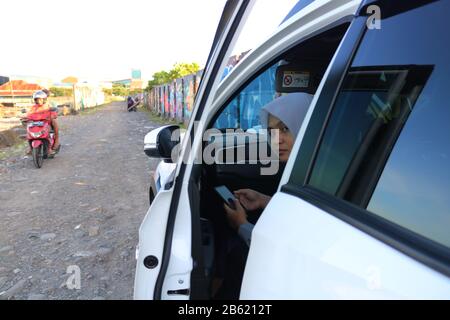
386, 146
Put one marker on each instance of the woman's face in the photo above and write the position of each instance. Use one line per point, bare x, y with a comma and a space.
40, 101
281, 137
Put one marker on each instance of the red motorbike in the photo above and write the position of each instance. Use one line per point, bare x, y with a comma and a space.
40, 136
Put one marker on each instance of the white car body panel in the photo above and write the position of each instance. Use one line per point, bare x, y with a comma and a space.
152, 233
326, 258
151, 242
181, 264
162, 173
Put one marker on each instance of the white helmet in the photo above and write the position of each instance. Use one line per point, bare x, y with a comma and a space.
39, 94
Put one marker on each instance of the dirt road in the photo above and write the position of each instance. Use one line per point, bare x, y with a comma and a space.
80, 212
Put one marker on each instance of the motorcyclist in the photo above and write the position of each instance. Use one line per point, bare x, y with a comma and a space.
41, 107
48, 103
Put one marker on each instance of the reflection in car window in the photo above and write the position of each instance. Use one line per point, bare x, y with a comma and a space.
243, 111
377, 101
386, 146
258, 26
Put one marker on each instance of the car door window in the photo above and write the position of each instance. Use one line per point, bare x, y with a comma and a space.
385, 147
243, 111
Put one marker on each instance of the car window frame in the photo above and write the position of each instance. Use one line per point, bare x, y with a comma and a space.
420, 248
265, 66
201, 100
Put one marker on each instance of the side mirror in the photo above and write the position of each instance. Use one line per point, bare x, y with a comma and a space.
23, 110
159, 143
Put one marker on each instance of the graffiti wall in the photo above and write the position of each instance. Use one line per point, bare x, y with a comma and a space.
172, 105
188, 96
154, 106
166, 102
175, 100
160, 106
179, 99
244, 110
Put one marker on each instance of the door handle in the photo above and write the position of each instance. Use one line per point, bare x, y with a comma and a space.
183, 292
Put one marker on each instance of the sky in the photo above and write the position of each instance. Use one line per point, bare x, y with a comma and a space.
105, 39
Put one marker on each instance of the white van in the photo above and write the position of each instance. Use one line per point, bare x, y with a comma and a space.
362, 207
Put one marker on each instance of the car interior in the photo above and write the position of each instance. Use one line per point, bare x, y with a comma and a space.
218, 252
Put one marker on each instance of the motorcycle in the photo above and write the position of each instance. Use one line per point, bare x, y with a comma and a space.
41, 138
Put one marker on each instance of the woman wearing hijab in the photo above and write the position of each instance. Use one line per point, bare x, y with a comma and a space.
283, 117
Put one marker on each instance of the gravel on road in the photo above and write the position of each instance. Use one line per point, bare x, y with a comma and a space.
79, 214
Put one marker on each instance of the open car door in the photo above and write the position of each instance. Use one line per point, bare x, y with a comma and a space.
164, 258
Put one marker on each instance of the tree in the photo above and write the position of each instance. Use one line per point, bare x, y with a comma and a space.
179, 70
135, 91
183, 69
61, 92
120, 90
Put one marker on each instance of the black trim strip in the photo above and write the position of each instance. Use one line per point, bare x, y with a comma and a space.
179, 179
199, 277
322, 111
428, 252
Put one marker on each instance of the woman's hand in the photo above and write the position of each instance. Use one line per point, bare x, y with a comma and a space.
236, 216
251, 199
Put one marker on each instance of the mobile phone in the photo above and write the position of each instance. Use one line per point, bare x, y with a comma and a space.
226, 195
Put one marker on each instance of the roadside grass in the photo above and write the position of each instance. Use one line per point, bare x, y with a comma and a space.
89, 111
154, 117
92, 110
17, 149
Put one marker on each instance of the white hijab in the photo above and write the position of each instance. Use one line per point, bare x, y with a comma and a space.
290, 109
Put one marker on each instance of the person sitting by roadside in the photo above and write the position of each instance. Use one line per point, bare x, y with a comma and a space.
130, 102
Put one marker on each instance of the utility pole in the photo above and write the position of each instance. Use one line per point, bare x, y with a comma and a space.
74, 97
12, 90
